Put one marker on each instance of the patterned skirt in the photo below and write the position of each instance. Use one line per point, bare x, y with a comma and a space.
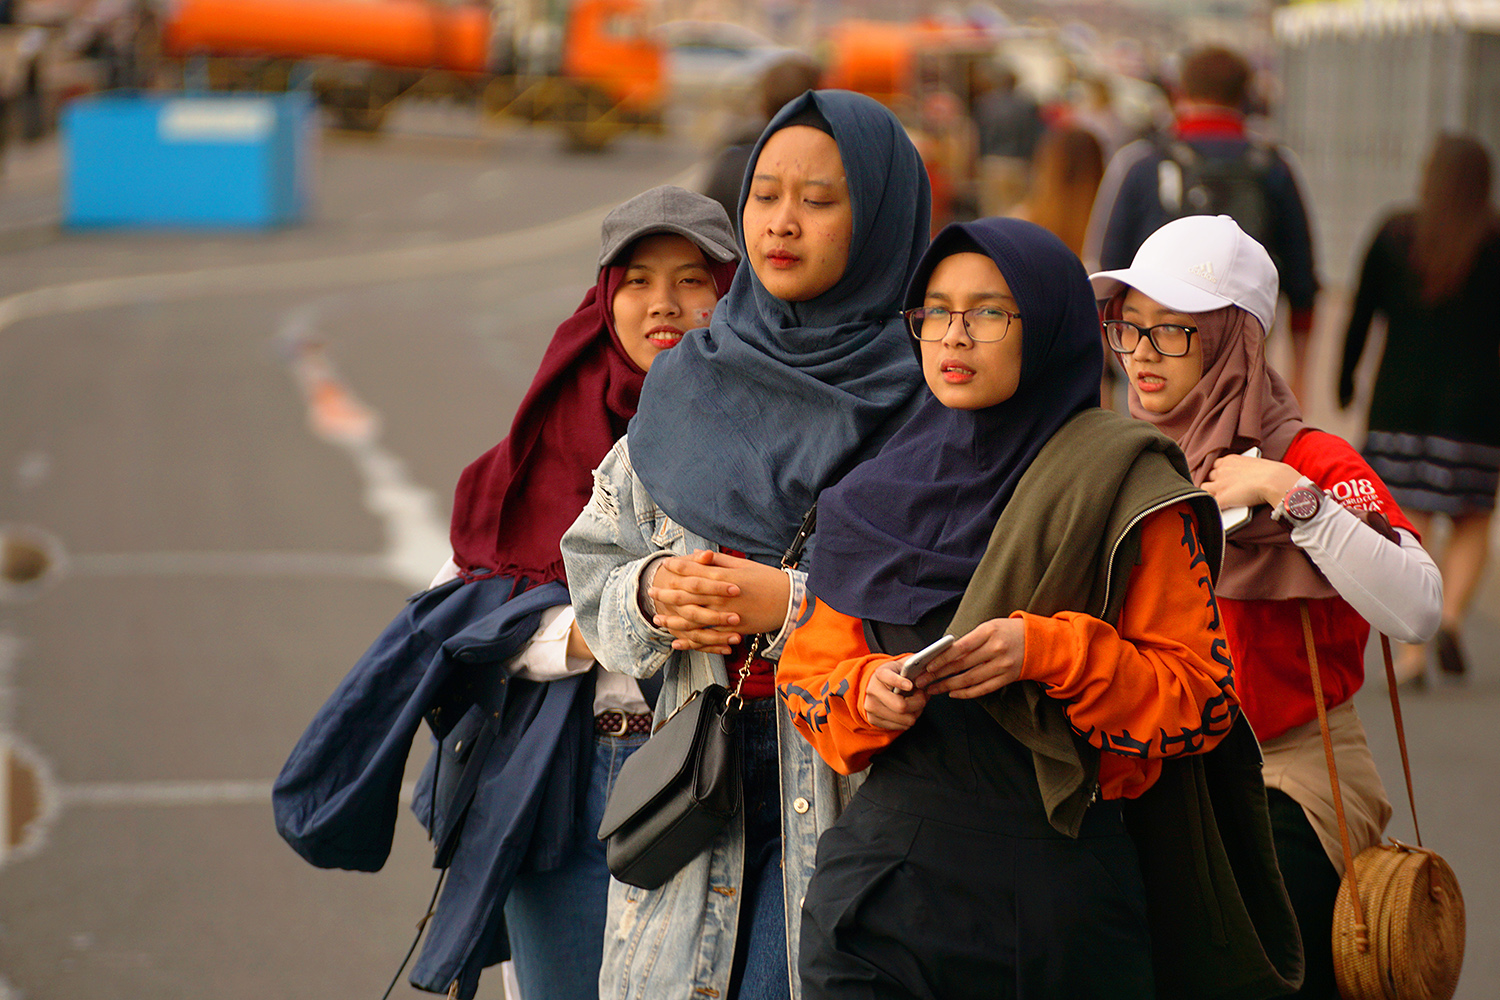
1434, 474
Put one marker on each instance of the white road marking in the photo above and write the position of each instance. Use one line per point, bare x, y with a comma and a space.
416, 542
377, 267
347, 270
416, 535
176, 793
292, 565
166, 793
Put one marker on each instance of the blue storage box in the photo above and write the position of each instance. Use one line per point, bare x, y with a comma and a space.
211, 160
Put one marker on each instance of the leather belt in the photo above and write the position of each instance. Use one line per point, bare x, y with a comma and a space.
614, 723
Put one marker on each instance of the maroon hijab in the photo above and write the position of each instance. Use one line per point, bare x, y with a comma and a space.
514, 502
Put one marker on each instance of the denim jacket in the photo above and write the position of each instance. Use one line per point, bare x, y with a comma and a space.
677, 942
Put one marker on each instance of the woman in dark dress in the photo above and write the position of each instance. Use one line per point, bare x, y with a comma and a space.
1434, 274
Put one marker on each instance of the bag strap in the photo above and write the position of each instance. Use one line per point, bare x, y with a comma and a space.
794, 551
1361, 929
789, 560
421, 926
1380, 523
1391, 685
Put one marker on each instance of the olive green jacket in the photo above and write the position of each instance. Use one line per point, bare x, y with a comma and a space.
1221, 923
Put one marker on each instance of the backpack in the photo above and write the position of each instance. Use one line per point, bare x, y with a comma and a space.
1191, 184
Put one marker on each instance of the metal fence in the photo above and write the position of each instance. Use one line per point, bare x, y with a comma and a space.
1367, 87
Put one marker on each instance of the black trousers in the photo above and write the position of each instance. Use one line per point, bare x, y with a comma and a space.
905, 906
1313, 885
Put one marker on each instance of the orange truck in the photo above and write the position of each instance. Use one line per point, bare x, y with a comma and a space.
601, 72
927, 74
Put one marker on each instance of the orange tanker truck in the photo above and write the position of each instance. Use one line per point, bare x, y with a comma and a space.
604, 74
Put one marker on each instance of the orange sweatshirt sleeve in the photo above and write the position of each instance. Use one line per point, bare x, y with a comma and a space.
821, 679
1161, 685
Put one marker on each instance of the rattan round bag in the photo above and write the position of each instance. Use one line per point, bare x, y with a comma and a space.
1415, 916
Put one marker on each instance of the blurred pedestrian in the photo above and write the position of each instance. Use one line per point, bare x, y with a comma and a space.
1095, 111
1065, 174
1208, 164
1009, 125
804, 372
787, 78
945, 137
527, 846
1324, 551
1433, 272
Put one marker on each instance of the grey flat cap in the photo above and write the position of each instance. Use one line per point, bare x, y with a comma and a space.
669, 209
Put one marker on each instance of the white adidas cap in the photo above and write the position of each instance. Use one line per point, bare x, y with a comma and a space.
1197, 264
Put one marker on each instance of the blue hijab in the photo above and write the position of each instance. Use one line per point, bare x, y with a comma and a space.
902, 534
741, 424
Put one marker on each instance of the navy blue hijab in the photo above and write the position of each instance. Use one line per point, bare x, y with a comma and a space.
902, 534
741, 424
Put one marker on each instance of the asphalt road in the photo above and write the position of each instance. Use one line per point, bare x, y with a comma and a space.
237, 453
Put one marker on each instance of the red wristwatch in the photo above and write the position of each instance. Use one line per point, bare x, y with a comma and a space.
1302, 503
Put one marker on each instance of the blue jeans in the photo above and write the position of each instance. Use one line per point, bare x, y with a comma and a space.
556, 918
760, 960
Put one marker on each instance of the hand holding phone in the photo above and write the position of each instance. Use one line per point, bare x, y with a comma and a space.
913, 664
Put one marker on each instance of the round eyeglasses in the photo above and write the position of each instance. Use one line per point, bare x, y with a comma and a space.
982, 324
1170, 340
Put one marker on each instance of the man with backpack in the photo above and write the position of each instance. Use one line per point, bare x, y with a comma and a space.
1208, 164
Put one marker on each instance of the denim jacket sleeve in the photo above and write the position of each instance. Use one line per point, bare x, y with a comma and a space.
619, 531
604, 551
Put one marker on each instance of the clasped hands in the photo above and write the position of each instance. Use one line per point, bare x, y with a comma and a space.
710, 601
985, 660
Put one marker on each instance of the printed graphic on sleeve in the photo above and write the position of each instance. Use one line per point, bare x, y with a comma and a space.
811, 708
814, 708
1220, 711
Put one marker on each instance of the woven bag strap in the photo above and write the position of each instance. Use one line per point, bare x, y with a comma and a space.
1361, 929
1390, 683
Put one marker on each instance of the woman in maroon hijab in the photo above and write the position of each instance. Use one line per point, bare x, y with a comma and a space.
667, 256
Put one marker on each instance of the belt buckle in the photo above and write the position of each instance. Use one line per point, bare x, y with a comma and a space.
624, 726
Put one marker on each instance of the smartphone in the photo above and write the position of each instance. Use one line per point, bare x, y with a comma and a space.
1238, 517
913, 664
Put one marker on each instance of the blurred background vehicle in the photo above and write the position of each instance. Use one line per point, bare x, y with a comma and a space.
708, 58
589, 66
713, 71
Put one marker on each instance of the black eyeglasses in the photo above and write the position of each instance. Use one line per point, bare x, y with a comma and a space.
983, 324
1169, 339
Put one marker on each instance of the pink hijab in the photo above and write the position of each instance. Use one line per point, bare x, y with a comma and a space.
1239, 402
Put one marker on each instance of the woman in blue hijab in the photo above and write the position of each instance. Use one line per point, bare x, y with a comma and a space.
986, 855
673, 566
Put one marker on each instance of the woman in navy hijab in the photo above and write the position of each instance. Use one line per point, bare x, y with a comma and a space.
986, 855
674, 564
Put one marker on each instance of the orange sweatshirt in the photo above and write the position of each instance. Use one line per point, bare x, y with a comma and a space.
1159, 686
